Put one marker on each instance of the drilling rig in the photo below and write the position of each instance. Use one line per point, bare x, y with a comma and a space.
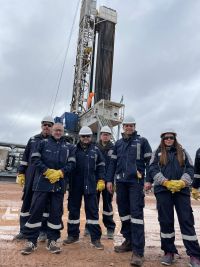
91, 103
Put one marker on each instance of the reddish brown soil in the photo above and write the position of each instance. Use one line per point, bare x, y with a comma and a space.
80, 254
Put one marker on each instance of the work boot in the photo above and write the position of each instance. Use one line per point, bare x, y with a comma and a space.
194, 262
52, 247
19, 236
168, 259
110, 234
124, 247
97, 244
42, 237
29, 248
136, 260
70, 240
86, 232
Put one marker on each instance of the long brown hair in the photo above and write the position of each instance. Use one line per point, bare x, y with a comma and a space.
179, 153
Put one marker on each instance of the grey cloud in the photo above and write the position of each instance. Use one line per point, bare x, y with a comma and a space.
156, 65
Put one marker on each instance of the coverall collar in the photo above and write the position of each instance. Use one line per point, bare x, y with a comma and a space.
127, 138
106, 147
57, 140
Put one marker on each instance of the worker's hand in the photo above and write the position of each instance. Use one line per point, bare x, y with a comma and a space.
109, 187
174, 185
100, 185
167, 184
139, 175
147, 186
60, 173
170, 185
48, 172
20, 179
195, 193
179, 184
55, 176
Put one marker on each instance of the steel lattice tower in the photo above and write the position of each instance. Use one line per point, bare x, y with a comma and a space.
84, 57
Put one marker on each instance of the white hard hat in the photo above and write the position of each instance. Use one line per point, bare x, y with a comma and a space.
48, 119
85, 130
105, 129
129, 120
168, 131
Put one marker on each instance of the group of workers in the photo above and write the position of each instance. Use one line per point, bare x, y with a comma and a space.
50, 164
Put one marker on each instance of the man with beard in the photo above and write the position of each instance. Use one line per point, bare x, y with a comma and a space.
25, 176
106, 147
88, 175
129, 166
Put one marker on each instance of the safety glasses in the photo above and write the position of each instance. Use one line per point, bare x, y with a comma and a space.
85, 136
171, 137
47, 124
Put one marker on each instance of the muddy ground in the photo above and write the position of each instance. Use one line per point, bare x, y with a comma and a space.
80, 254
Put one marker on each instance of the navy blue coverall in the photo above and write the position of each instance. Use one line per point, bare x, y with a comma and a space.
129, 156
58, 155
196, 181
107, 196
89, 165
166, 201
28, 170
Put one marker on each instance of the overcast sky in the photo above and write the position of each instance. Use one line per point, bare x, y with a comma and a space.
156, 65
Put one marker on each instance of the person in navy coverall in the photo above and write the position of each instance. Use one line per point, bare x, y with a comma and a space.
25, 177
129, 165
106, 147
54, 160
89, 173
171, 171
196, 181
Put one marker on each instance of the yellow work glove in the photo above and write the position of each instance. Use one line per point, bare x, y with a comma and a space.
174, 185
55, 176
114, 187
179, 184
100, 185
139, 175
195, 193
48, 172
20, 179
170, 185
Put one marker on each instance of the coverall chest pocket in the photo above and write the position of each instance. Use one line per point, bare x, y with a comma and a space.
48, 156
132, 152
131, 168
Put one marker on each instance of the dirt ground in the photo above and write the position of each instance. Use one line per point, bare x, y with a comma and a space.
81, 254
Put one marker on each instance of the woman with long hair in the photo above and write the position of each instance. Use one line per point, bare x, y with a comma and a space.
171, 171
